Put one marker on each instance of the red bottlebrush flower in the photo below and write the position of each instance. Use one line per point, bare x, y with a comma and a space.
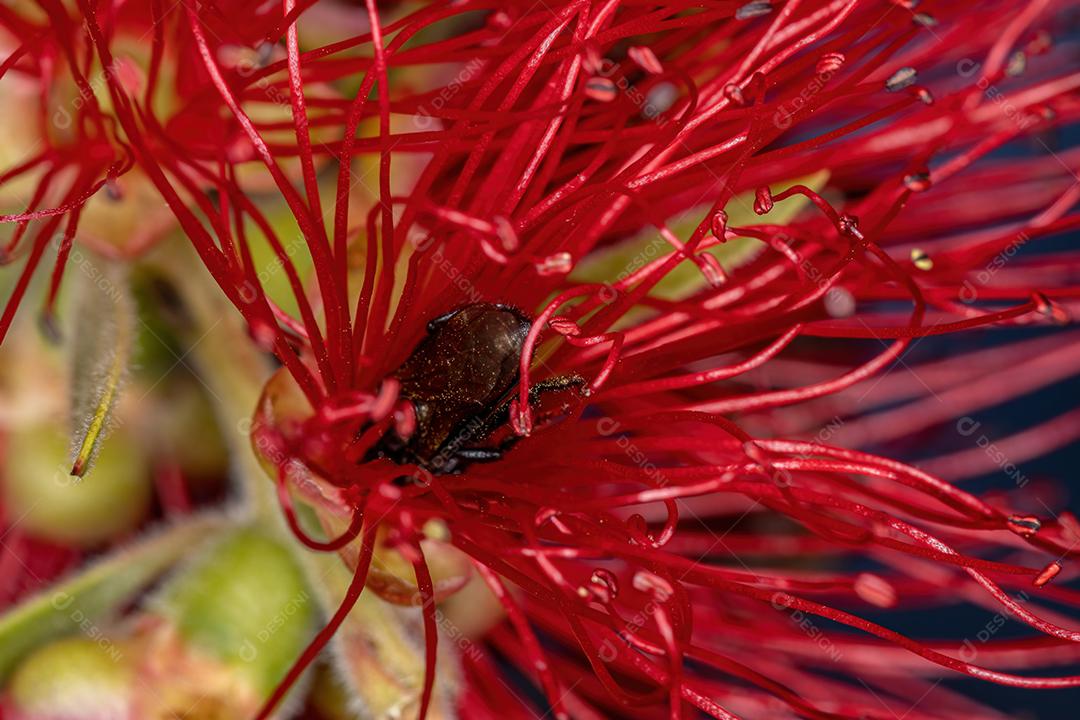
640, 413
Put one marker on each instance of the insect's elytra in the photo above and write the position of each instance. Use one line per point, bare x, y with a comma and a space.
458, 378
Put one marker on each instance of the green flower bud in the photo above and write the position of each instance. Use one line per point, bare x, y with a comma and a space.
73, 679
245, 605
52, 504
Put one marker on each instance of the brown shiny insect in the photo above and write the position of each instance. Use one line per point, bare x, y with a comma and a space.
459, 380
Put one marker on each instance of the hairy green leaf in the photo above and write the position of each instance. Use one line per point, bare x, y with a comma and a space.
104, 337
98, 593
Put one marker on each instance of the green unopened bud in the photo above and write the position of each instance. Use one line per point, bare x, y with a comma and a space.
240, 613
52, 504
73, 679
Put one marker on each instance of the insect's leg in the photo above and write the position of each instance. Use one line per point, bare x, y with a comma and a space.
499, 417
555, 384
